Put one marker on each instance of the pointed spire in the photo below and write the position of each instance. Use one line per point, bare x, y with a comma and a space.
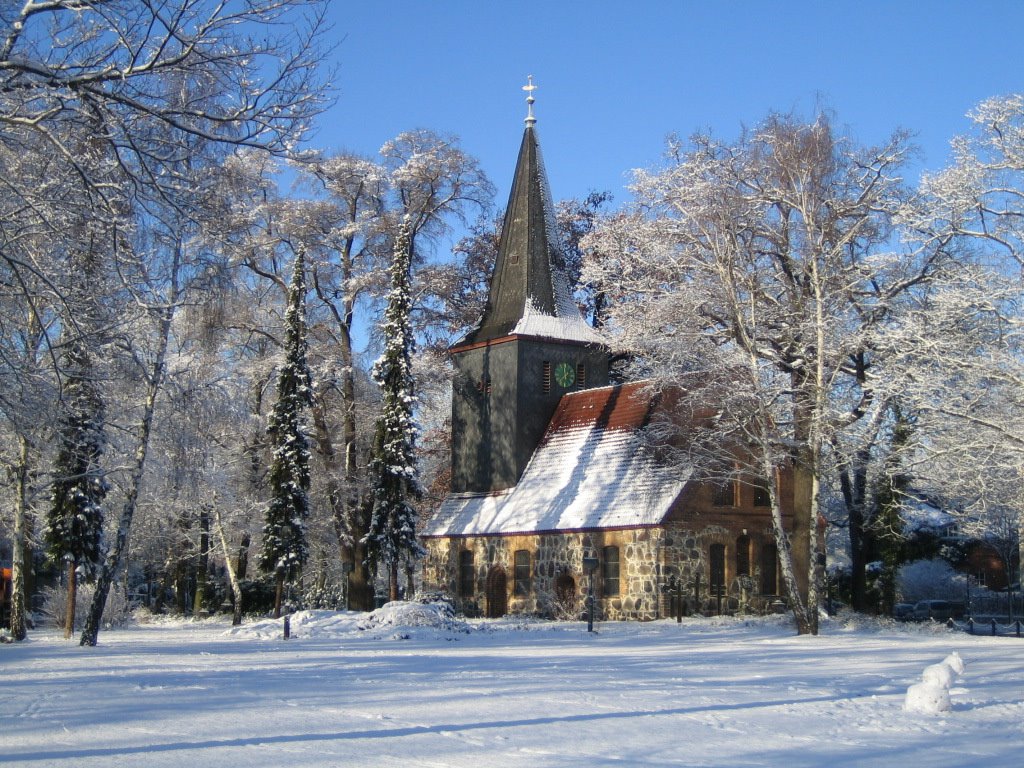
529, 292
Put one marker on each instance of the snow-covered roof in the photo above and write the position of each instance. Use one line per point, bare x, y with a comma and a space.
569, 327
592, 470
920, 513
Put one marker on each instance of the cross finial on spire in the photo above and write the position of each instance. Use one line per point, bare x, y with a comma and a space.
529, 88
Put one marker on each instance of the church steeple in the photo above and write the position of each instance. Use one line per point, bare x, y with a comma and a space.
531, 346
529, 292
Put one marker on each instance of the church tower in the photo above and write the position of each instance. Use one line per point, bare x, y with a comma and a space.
531, 346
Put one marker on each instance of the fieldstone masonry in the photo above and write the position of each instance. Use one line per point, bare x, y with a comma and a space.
647, 557
649, 560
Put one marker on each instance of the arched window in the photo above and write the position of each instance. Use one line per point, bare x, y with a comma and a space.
769, 569
610, 571
522, 573
717, 563
743, 555
467, 574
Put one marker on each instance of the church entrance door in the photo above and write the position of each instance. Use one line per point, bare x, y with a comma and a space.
497, 592
565, 597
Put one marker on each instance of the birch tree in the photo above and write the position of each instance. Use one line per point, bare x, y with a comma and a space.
969, 334
769, 258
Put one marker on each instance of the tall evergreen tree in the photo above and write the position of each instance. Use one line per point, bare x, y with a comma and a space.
74, 530
392, 535
284, 549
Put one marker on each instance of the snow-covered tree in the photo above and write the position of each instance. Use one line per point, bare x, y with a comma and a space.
391, 539
74, 528
344, 230
967, 333
760, 270
980, 196
284, 549
104, 68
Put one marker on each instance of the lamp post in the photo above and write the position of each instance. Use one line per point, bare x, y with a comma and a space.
589, 566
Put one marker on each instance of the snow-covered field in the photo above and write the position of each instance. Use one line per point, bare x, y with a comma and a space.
405, 687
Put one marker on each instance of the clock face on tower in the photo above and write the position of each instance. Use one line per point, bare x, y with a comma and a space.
565, 375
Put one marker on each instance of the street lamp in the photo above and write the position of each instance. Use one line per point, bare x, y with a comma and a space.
589, 566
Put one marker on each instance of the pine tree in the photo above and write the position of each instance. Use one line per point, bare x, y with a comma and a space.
284, 549
74, 529
393, 469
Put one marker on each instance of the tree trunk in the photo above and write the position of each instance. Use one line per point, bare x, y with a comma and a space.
393, 581
858, 545
243, 556
236, 587
278, 595
790, 564
204, 562
361, 587
803, 490
18, 622
90, 633
69, 611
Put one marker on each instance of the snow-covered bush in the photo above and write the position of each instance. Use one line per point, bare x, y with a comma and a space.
929, 579
330, 597
562, 606
54, 606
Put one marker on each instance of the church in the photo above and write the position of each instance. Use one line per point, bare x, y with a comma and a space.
555, 490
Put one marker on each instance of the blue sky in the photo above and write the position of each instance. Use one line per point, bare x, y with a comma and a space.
615, 78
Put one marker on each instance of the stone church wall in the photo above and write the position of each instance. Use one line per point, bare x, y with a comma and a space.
558, 585
655, 566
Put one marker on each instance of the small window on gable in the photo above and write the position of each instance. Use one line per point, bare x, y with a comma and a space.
467, 574
761, 496
724, 494
522, 572
581, 376
546, 377
610, 571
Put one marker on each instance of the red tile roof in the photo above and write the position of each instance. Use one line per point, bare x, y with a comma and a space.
592, 470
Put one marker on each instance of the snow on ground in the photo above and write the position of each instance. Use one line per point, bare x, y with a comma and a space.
413, 686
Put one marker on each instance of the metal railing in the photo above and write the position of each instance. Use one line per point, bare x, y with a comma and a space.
991, 627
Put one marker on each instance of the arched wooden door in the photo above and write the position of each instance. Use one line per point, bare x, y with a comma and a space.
497, 592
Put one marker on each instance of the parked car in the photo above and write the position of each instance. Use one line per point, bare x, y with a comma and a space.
903, 611
937, 610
